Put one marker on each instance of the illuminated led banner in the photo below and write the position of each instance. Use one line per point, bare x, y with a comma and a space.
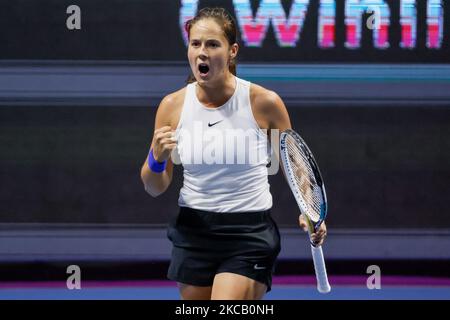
291, 31
287, 26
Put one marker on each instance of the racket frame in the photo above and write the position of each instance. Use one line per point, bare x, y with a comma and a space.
323, 285
293, 184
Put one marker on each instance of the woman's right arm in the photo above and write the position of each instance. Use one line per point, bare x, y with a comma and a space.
155, 183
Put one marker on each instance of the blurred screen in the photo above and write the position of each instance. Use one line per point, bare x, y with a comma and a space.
270, 30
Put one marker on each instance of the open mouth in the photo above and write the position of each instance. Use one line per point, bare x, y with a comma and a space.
203, 68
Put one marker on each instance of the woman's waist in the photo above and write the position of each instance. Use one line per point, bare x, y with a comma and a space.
203, 219
219, 180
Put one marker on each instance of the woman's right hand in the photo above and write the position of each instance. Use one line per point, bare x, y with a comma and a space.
163, 143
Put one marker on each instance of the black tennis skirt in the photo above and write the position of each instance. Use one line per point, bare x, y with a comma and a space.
207, 243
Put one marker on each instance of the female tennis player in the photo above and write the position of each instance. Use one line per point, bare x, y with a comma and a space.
225, 242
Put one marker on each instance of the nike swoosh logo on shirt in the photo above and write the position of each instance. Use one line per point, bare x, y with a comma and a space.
256, 267
211, 124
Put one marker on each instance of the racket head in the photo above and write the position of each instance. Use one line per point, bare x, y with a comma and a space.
304, 178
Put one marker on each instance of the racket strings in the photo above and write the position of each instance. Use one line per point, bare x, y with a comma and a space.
304, 178
308, 191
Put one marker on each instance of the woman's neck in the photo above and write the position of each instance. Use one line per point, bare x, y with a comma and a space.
216, 94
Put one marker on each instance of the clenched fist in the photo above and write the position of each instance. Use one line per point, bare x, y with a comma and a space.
163, 143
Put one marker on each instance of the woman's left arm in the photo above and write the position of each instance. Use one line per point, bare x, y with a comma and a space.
277, 118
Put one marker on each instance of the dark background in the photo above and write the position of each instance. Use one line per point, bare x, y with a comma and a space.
149, 30
384, 167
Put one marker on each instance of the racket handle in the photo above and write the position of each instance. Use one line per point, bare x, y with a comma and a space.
321, 272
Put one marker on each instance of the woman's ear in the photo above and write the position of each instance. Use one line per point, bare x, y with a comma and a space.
234, 50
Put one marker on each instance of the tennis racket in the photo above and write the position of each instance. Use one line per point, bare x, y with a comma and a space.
306, 183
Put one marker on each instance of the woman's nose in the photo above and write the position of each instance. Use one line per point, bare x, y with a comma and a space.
203, 53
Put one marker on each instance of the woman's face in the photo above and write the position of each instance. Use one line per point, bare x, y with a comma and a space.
209, 52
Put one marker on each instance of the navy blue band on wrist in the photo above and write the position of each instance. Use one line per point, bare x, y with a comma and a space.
154, 165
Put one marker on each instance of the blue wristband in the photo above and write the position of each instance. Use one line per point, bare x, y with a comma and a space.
154, 165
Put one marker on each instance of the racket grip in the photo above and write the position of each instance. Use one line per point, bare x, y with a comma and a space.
321, 272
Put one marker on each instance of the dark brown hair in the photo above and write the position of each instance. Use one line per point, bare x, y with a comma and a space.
227, 24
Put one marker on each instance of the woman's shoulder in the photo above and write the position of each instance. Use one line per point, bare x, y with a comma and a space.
169, 109
264, 99
268, 106
175, 98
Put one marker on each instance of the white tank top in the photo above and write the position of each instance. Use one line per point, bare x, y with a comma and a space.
224, 154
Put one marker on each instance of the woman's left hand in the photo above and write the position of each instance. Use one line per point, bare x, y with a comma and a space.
317, 237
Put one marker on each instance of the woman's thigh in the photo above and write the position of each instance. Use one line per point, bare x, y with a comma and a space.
232, 286
190, 292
